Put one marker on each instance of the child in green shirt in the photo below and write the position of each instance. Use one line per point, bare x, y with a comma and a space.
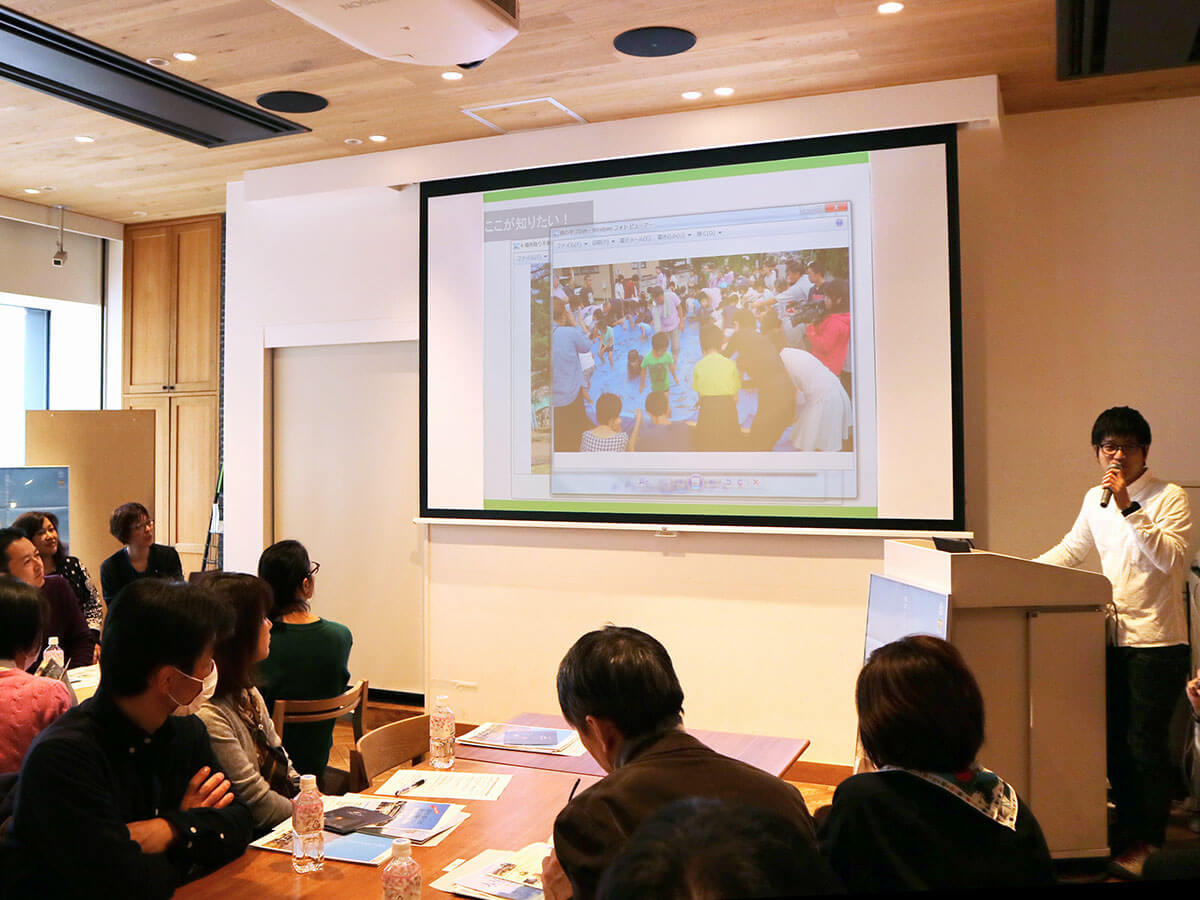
658, 363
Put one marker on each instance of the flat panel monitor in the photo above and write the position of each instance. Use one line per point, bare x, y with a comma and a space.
896, 609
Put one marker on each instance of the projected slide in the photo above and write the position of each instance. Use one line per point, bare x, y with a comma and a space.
697, 341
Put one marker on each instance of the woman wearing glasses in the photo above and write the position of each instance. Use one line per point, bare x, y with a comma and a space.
309, 655
140, 557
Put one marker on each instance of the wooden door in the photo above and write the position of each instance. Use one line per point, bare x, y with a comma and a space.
193, 474
160, 504
196, 326
148, 311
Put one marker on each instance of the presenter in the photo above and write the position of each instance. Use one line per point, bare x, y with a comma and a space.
1139, 525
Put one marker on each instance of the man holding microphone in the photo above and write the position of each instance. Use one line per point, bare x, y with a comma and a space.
1139, 525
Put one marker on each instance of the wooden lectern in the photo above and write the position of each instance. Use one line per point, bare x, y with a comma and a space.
1033, 634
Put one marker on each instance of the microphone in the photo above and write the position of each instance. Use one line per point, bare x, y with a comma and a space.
1106, 494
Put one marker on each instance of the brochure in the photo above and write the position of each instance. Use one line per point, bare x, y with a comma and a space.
532, 738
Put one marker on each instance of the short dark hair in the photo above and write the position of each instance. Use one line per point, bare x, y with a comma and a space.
284, 566
656, 403
816, 266
795, 265
1121, 421
249, 602
22, 610
9, 536
654, 290
838, 291
155, 623
623, 675
711, 337
919, 706
32, 522
660, 340
770, 321
744, 319
701, 847
608, 407
124, 518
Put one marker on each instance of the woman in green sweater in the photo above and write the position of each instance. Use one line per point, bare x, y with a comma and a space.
309, 655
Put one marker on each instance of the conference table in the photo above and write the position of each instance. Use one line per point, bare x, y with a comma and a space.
771, 754
523, 814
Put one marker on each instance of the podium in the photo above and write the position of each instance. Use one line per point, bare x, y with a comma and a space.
1033, 634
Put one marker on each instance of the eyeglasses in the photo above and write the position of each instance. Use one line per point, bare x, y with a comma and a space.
316, 567
1110, 448
146, 523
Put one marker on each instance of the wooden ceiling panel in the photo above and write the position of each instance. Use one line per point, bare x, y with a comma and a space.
765, 49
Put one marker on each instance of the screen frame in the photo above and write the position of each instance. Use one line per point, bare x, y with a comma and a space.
694, 159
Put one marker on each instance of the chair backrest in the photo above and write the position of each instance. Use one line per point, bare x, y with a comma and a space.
386, 747
352, 701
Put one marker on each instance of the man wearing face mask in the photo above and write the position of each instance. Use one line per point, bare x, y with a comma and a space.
126, 784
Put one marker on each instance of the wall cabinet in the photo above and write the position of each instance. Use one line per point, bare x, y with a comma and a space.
171, 342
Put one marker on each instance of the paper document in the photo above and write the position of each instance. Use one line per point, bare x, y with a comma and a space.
498, 874
446, 785
530, 738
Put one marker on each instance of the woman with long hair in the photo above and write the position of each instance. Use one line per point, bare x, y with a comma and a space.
42, 529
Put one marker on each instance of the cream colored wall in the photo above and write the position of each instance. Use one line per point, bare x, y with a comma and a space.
1081, 280
1080, 273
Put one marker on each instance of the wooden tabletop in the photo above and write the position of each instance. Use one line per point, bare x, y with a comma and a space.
771, 754
524, 813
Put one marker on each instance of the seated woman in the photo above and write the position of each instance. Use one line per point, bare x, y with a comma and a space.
309, 655
930, 817
42, 529
27, 703
239, 727
140, 557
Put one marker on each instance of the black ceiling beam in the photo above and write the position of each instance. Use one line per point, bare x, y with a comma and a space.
56, 62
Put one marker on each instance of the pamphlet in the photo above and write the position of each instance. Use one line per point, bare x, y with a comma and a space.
499, 875
532, 738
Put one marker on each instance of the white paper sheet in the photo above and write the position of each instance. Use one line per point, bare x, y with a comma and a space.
446, 785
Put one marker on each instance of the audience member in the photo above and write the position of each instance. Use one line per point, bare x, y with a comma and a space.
42, 529
309, 655
140, 557
62, 617
705, 849
121, 796
243, 737
930, 817
27, 703
618, 689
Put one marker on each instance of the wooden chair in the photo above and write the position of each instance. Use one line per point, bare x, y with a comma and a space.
353, 701
402, 743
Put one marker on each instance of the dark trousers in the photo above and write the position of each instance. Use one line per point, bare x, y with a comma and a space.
1144, 685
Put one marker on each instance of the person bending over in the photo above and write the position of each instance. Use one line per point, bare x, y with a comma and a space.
239, 727
1142, 539
62, 617
121, 796
618, 689
703, 849
42, 529
27, 703
310, 656
140, 557
930, 817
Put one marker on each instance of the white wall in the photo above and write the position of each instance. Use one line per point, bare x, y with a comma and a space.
766, 630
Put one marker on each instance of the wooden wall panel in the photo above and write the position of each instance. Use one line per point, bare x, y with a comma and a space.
110, 454
193, 475
149, 295
198, 312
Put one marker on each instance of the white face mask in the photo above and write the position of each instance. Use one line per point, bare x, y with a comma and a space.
207, 687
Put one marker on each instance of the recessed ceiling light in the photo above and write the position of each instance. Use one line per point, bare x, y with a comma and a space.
452, 76
84, 139
32, 191
692, 95
888, 8
184, 56
377, 138
158, 61
140, 212
723, 91
353, 142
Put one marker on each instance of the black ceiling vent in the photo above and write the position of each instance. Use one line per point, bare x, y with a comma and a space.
658, 40
1112, 37
59, 63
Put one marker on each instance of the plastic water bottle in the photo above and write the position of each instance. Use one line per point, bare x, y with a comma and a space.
441, 734
55, 653
401, 876
308, 827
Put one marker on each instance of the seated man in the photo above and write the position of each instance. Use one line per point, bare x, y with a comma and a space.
127, 792
618, 689
64, 617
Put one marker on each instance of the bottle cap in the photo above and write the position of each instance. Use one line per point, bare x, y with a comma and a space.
54, 642
308, 782
442, 699
401, 847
